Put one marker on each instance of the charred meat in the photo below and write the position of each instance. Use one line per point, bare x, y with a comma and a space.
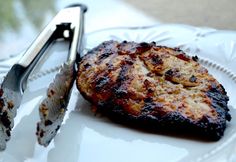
153, 86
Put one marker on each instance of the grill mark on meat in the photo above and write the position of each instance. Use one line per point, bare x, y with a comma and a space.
119, 90
123, 72
219, 100
104, 55
110, 64
121, 94
122, 75
169, 74
101, 82
152, 108
156, 60
106, 52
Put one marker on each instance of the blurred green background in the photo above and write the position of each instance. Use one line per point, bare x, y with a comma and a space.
22, 20
14, 12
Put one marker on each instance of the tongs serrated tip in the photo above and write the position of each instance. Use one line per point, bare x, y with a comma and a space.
53, 108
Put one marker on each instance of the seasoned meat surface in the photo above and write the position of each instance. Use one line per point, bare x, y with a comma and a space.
153, 86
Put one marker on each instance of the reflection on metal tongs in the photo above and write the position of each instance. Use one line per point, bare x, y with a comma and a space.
67, 24
52, 109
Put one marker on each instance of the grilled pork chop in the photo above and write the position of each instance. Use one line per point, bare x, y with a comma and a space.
153, 86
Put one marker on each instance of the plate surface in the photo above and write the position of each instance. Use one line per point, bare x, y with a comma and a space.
85, 137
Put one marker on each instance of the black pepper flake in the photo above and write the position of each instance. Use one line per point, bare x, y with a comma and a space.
104, 55
169, 73
192, 79
195, 58
120, 92
86, 65
123, 73
148, 100
157, 60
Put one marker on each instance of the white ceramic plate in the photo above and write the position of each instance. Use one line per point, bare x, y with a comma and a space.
85, 137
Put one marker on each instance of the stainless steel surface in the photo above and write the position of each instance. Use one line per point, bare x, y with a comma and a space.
14, 83
53, 108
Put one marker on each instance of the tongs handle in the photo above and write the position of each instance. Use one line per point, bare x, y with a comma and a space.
53, 107
77, 40
64, 20
36, 49
49, 34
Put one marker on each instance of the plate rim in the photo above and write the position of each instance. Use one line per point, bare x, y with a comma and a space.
202, 60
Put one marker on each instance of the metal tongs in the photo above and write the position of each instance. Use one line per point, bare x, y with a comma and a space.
67, 24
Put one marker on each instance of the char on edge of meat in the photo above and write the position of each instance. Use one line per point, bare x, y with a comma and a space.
126, 80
